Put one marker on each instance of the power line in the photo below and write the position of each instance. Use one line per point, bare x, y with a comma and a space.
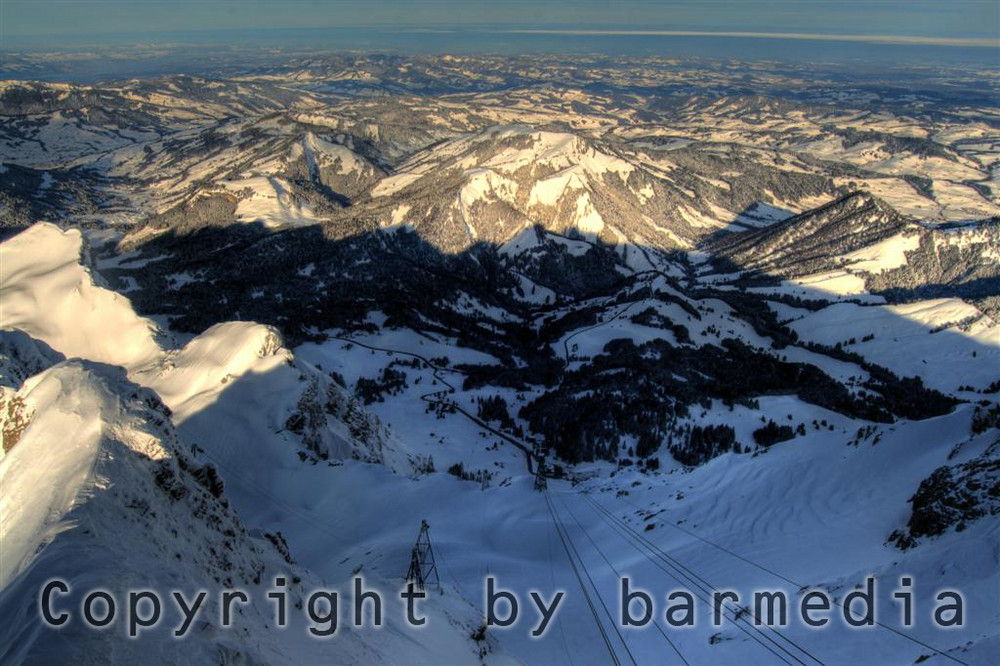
637, 544
704, 586
552, 580
579, 580
305, 517
560, 530
798, 585
618, 573
611, 619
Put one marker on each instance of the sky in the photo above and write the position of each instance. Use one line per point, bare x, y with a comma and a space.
64, 22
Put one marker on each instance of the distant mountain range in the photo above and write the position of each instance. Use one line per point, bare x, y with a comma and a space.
266, 321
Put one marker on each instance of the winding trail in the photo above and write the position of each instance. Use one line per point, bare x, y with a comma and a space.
618, 315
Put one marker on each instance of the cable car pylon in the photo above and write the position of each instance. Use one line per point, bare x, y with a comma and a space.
423, 569
541, 485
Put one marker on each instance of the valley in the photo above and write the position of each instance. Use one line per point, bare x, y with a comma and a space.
742, 317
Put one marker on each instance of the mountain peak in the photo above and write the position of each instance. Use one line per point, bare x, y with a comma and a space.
847, 224
863, 199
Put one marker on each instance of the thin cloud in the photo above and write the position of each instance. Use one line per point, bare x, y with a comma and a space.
872, 39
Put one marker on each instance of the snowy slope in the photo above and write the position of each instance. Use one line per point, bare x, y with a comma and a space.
99, 493
98, 475
788, 510
49, 293
491, 185
231, 390
86, 449
946, 342
812, 236
240, 364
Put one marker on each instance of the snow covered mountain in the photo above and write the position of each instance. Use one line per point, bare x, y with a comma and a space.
814, 240
49, 294
135, 469
98, 472
860, 237
695, 158
100, 492
506, 180
267, 321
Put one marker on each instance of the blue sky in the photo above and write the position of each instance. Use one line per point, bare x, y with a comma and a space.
83, 21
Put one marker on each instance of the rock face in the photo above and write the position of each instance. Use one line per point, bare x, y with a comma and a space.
100, 454
952, 497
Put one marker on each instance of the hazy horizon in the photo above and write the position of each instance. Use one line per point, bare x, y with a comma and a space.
54, 23
199, 52
99, 39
